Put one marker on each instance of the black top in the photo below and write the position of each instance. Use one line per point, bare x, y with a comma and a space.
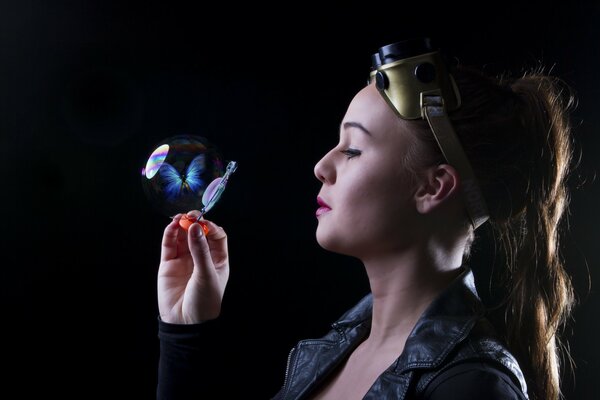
472, 381
451, 353
183, 351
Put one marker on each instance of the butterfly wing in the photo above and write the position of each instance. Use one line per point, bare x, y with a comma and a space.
194, 172
172, 179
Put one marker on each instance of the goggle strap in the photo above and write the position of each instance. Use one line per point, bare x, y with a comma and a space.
433, 110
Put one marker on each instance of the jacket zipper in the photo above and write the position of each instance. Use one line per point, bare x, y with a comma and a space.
287, 370
289, 359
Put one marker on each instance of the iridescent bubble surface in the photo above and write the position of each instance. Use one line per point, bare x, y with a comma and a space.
178, 172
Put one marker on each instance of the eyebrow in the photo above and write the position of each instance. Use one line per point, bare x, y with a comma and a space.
358, 125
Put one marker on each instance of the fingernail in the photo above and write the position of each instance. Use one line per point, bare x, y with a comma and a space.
196, 230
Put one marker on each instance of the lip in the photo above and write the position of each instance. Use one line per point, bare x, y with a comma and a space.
324, 206
322, 203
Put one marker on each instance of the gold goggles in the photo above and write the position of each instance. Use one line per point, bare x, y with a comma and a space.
413, 80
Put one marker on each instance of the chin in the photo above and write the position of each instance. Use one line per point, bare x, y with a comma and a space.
333, 243
326, 240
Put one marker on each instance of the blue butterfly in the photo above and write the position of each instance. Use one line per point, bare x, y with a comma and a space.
190, 181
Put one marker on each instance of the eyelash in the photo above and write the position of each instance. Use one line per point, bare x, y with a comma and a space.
350, 153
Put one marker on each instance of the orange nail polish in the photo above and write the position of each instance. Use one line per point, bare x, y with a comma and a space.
185, 222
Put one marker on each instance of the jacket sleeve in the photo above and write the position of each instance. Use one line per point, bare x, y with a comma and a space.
185, 352
473, 381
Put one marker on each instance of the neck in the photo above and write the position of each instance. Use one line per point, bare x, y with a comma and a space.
403, 285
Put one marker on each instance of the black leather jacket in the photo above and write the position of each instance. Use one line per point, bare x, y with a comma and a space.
450, 333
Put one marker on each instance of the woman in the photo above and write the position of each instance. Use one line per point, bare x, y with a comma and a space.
391, 197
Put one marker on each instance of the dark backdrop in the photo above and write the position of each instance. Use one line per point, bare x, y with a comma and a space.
86, 90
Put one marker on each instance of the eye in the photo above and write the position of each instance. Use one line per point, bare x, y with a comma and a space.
350, 153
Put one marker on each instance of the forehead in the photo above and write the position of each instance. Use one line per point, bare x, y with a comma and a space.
370, 109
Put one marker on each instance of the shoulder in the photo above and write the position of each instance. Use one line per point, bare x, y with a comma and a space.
481, 366
473, 380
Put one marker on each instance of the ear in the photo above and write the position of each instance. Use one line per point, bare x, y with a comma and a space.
439, 184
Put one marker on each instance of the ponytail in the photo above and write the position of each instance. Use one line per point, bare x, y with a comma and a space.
516, 135
541, 296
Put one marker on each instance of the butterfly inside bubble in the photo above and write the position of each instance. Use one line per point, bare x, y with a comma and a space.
190, 181
184, 173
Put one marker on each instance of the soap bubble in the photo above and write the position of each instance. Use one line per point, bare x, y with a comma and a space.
181, 173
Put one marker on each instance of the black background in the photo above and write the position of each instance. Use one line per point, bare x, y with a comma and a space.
86, 90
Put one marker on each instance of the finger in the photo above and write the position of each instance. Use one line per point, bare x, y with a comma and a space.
182, 240
193, 214
170, 240
217, 243
200, 250
215, 232
188, 219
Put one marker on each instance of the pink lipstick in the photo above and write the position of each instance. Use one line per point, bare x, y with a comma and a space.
324, 207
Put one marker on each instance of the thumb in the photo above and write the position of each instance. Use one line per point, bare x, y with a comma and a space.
199, 249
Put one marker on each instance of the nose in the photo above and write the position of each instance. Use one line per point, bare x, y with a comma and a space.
324, 169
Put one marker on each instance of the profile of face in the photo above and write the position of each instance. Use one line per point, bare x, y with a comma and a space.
367, 196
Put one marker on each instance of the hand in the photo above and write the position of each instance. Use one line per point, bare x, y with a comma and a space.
193, 272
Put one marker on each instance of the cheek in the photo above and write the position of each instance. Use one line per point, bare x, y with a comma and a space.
385, 207
371, 208
381, 193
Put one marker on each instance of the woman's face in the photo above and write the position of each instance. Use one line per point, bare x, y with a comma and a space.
367, 192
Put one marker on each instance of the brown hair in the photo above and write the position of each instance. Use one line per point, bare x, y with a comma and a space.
517, 135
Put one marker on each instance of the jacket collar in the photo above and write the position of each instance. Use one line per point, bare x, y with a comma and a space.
445, 322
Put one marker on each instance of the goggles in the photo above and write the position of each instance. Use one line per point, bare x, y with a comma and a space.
412, 78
